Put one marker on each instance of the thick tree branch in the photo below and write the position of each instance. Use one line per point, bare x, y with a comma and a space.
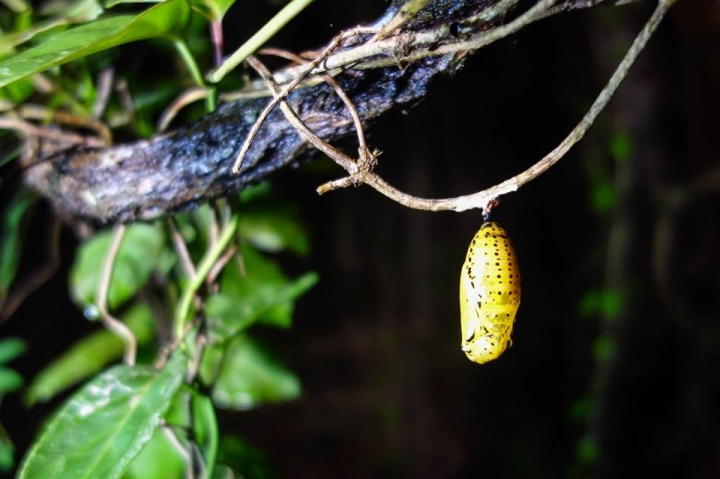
178, 170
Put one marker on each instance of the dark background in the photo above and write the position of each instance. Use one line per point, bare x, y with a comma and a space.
586, 391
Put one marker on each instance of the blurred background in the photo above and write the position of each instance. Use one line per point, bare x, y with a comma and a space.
613, 371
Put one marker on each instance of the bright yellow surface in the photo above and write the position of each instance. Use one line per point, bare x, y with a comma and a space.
489, 294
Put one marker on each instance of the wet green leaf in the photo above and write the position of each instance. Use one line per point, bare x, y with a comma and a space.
163, 20
262, 294
139, 254
250, 376
88, 356
104, 425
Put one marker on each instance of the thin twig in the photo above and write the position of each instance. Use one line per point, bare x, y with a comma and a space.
194, 367
32, 130
214, 225
168, 350
181, 248
406, 47
367, 160
104, 88
127, 102
187, 97
337, 156
113, 324
330, 81
220, 264
288, 88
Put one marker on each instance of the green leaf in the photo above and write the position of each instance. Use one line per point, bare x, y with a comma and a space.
249, 376
104, 425
10, 244
269, 223
609, 303
257, 192
11, 348
9, 381
162, 20
263, 294
205, 429
88, 356
17, 93
139, 254
248, 460
273, 228
9, 41
158, 460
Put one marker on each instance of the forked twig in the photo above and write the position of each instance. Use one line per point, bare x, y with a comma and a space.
330, 81
292, 117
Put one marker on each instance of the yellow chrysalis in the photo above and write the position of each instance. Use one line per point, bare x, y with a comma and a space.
489, 294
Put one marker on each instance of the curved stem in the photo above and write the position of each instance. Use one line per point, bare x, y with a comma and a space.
109, 321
